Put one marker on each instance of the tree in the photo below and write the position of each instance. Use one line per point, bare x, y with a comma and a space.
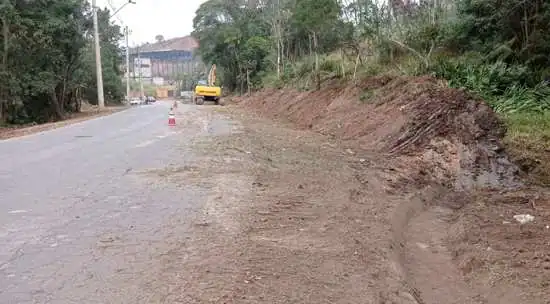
47, 59
247, 38
490, 46
226, 30
313, 17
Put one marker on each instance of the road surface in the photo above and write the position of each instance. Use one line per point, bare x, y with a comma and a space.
78, 224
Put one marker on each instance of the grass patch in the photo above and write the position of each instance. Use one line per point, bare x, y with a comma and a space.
366, 95
528, 143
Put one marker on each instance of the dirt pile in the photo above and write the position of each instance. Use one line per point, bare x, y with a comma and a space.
442, 134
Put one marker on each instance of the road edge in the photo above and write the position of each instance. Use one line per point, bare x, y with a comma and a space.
22, 132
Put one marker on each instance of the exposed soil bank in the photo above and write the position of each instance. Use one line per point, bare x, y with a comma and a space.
456, 237
404, 117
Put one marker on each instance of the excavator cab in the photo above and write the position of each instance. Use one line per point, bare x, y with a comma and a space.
207, 90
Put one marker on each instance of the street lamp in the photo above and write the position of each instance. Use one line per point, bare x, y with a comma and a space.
99, 72
118, 10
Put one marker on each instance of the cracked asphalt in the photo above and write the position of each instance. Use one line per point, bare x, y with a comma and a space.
78, 225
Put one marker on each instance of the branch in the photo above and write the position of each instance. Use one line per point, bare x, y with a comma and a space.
415, 52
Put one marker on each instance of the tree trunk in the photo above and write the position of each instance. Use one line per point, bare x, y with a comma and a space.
355, 68
282, 55
287, 49
62, 99
310, 44
278, 59
78, 100
241, 82
248, 81
56, 107
317, 72
4, 71
343, 63
279, 39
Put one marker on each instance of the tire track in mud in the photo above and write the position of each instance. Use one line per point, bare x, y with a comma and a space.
404, 214
422, 226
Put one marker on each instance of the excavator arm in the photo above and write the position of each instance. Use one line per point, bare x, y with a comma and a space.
212, 76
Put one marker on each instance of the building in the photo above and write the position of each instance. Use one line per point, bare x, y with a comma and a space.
146, 71
165, 61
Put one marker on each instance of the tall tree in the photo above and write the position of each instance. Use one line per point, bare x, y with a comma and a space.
47, 59
494, 46
314, 17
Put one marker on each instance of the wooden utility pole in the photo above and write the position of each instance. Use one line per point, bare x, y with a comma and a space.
140, 73
99, 72
127, 32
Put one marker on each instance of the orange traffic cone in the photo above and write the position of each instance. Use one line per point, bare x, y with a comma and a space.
171, 118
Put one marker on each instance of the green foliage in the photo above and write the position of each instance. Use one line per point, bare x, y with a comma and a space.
506, 87
528, 142
241, 38
235, 38
499, 49
488, 79
517, 32
47, 62
497, 53
314, 16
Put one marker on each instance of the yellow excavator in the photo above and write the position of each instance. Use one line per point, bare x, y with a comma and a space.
207, 90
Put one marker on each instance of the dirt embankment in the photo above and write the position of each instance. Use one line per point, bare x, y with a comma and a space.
413, 119
439, 150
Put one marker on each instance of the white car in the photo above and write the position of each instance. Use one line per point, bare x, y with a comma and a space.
135, 101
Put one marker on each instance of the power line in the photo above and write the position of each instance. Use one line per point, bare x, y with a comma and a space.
113, 9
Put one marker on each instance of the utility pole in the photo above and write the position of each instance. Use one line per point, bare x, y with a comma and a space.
140, 73
127, 65
99, 72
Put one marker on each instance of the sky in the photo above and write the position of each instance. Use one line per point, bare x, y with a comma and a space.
148, 18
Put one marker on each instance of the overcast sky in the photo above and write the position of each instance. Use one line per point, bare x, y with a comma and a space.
148, 18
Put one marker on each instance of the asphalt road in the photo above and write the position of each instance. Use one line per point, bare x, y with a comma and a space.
77, 225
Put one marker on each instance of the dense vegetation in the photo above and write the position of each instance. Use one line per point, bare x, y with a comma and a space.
47, 59
497, 48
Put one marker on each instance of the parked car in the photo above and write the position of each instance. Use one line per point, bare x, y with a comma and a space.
135, 101
150, 99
